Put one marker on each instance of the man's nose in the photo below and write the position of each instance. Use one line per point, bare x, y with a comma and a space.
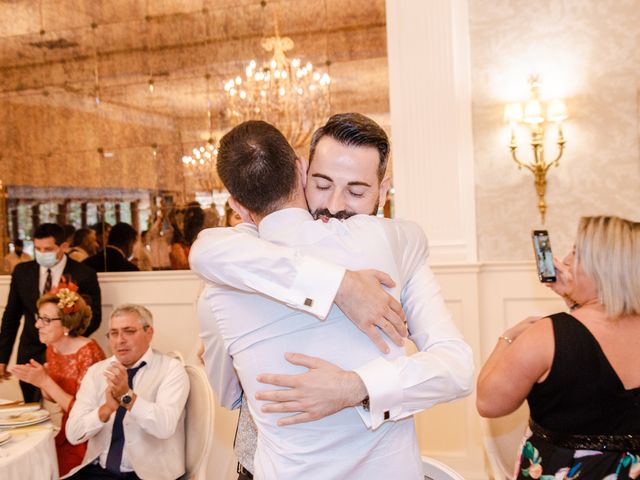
336, 202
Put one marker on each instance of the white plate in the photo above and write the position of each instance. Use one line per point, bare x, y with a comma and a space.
7, 411
24, 419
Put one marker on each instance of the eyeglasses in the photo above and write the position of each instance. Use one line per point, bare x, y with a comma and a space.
46, 320
125, 332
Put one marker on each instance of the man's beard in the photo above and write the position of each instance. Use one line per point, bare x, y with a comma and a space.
324, 214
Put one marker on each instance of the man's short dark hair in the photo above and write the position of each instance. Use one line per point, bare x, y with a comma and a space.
18, 243
80, 236
354, 130
46, 230
258, 166
122, 235
69, 230
100, 227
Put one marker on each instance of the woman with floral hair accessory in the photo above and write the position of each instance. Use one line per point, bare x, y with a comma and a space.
62, 318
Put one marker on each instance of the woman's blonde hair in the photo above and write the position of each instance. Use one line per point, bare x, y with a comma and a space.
608, 249
77, 321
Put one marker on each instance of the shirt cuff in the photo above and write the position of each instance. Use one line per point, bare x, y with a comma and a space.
316, 285
92, 424
385, 391
139, 409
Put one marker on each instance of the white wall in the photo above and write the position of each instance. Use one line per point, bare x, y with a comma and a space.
432, 145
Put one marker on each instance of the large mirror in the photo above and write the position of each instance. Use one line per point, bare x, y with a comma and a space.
110, 109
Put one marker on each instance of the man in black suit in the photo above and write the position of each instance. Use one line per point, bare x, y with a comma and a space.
113, 258
28, 282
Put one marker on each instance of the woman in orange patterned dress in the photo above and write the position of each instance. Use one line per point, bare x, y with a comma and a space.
62, 317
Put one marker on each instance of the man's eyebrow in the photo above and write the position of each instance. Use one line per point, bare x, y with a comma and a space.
351, 184
320, 175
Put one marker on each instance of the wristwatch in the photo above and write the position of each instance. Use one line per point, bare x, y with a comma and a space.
126, 399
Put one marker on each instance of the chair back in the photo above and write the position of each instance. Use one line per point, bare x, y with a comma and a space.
503, 439
199, 423
177, 355
435, 470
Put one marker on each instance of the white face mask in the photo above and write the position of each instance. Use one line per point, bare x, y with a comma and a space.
46, 259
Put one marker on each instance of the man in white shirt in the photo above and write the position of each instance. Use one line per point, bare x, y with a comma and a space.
130, 407
255, 330
346, 175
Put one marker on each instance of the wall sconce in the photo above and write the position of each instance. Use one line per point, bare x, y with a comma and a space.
533, 115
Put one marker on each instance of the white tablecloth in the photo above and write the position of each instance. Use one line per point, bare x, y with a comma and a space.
30, 454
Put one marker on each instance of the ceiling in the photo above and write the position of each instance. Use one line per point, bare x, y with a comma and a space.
57, 52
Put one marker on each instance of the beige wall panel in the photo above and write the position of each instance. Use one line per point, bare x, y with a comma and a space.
587, 53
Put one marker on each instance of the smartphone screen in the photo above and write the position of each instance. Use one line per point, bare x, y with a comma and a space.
544, 257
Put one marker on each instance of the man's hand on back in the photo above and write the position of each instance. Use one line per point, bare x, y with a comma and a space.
321, 391
363, 300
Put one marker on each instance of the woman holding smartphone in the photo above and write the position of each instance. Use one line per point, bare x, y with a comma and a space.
579, 372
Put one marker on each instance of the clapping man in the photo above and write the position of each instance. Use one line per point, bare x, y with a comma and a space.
130, 407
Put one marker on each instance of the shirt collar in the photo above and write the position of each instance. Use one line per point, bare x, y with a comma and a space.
144, 358
270, 227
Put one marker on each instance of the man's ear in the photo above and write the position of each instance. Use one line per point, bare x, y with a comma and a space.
385, 184
245, 214
302, 165
64, 246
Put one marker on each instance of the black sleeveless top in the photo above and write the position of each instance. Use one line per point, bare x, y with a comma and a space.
582, 394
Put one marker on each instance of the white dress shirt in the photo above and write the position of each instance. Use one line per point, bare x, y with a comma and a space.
56, 273
441, 370
153, 428
257, 332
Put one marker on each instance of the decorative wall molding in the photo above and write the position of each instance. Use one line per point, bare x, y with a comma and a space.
432, 146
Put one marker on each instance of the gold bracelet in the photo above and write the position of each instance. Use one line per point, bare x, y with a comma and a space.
506, 339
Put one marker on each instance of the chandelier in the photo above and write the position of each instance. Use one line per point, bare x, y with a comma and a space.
286, 93
201, 166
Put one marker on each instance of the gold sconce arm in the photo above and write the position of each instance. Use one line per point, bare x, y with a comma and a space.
533, 116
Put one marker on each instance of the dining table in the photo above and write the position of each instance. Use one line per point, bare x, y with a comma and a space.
28, 452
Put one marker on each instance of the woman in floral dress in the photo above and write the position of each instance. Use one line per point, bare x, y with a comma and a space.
579, 372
